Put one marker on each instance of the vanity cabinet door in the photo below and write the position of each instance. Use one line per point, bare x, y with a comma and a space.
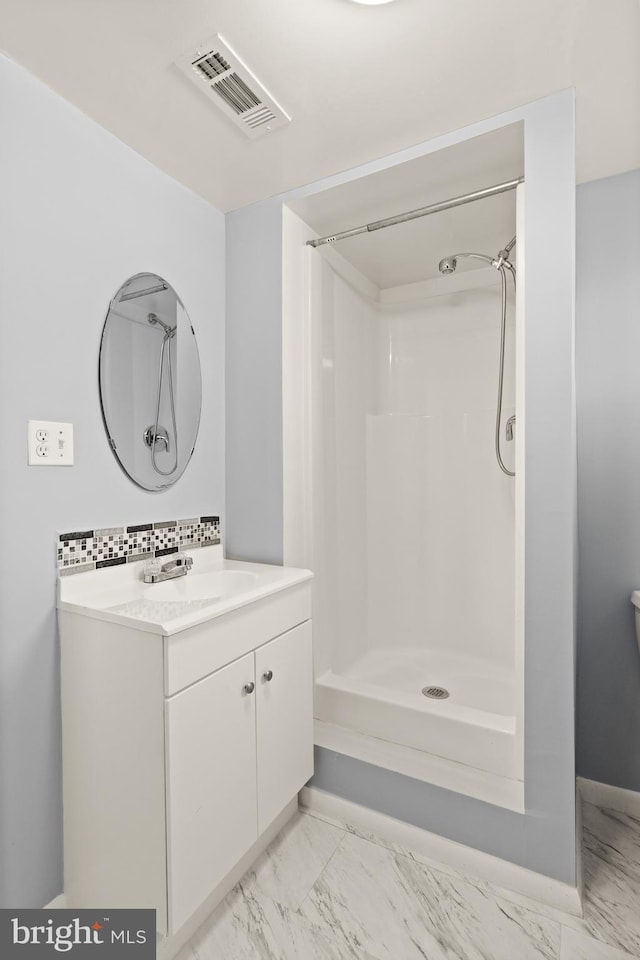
284, 688
211, 783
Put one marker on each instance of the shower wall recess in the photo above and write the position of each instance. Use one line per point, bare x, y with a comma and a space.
378, 419
413, 526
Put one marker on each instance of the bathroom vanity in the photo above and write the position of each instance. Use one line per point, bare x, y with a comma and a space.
187, 726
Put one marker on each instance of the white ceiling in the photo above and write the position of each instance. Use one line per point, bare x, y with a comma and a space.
359, 81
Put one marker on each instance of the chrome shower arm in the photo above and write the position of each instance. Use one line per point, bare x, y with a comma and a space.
476, 256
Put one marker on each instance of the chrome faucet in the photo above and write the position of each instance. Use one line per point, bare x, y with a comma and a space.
511, 422
178, 565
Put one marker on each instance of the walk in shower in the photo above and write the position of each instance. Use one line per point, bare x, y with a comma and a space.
416, 476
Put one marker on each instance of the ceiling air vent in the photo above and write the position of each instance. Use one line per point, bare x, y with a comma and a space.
220, 73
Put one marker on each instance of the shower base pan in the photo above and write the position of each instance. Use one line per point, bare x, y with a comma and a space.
467, 740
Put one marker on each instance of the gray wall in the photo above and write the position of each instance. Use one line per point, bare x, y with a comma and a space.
544, 838
254, 391
80, 213
608, 395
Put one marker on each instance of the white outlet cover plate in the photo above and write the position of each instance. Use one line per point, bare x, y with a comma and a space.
50, 444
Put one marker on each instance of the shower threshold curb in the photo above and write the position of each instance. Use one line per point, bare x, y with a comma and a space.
439, 771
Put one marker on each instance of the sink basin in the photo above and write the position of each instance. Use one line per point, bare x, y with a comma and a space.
215, 585
213, 588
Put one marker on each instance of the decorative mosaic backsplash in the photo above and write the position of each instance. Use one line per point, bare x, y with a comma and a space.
83, 550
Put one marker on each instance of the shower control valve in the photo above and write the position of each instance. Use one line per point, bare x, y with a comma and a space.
153, 437
511, 422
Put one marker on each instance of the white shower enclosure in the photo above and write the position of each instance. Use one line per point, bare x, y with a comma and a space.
414, 533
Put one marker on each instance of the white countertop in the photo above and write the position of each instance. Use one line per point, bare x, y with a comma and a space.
214, 586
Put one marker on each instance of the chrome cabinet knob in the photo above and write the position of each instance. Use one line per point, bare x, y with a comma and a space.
249, 687
267, 676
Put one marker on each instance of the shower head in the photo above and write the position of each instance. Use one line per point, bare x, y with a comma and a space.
447, 265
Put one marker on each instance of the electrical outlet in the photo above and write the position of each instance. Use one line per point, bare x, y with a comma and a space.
50, 444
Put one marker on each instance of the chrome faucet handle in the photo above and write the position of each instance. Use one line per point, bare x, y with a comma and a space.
177, 560
176, 565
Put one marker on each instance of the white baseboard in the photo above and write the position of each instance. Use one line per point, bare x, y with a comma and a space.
440, 850
604, 795
579, 857
58, 903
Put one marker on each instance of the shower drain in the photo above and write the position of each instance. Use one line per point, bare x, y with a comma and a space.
435, 693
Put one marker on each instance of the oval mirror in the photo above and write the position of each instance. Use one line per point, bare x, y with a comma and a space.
150, 385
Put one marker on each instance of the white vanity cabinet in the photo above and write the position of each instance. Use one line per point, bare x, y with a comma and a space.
285, 720
211, 784
180, 747
239, 747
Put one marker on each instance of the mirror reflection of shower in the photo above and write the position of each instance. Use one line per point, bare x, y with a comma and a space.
502, 263
150, 382
156, 435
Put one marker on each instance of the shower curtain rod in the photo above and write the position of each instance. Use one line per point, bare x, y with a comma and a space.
420, 212
143, 293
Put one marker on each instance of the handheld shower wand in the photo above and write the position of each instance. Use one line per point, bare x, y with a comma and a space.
155, 433
501, 263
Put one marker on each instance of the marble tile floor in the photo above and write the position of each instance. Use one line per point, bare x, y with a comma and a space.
323, 892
